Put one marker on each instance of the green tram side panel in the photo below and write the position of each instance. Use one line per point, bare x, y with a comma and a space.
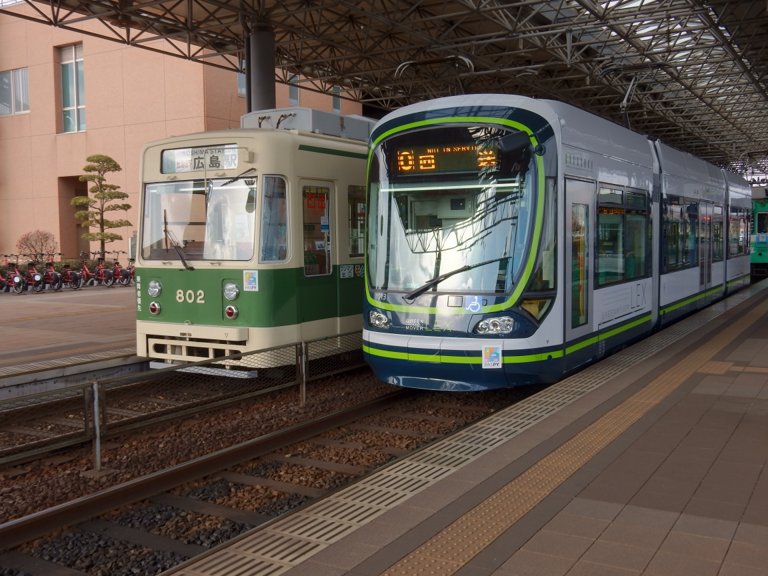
759, 254
278, 297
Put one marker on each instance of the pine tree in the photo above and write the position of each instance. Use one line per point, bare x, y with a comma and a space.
100, 200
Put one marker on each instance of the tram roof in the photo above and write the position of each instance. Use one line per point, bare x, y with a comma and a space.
693, 73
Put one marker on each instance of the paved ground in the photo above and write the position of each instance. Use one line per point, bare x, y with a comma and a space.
48, 325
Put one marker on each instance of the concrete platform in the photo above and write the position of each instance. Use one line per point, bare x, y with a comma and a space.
652, 462
51, 330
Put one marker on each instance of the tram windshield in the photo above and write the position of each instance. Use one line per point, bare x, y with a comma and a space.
199, 220
450, 209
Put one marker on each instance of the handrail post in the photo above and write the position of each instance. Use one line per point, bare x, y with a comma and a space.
301, 364
96, 428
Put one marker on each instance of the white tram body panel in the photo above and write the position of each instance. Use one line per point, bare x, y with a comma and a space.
512, 240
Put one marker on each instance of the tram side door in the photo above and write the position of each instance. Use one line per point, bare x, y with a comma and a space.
317, 291
705, 245
579, 258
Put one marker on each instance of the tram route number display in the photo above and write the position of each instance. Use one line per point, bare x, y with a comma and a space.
444, 159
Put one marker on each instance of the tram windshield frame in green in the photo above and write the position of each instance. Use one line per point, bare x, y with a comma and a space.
453, 206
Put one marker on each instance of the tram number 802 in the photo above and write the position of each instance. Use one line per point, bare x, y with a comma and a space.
190, 296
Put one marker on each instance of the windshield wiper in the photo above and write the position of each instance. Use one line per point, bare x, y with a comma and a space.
238, 177
437, 279
169, 238
180, 252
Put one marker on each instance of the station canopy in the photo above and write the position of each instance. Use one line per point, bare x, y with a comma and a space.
693, 73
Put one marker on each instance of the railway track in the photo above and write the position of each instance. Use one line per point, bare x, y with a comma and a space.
37, 425
154, 522
117, 400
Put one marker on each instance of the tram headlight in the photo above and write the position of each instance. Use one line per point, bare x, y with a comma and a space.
154, 288
497, 325
231, 291
377, 319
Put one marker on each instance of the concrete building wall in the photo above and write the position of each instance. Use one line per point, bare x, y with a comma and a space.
132, 96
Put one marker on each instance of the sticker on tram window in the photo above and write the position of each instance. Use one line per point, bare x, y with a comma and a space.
346, 271
473, 303
251, 280
492, 356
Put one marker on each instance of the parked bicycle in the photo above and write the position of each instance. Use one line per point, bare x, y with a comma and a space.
122, 276
34, 279
51, 278
101, 276
17, 280
69, 277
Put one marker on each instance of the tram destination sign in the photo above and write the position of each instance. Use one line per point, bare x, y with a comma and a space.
444, 158
199, 159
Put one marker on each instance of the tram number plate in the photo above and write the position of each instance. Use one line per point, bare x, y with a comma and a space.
191, 296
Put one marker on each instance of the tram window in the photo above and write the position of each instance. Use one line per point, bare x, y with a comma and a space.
681, 233
737, 232
610, 196
204, 219
673, 224
762, 223
356, 207
717, 233
610, 250
317, 232
623, 237
274, 220
538, 299
545, 271
580, 265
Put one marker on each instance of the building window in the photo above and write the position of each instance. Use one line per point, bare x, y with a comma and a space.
241, 80
14, 92
293, 90
337, 98
72, 88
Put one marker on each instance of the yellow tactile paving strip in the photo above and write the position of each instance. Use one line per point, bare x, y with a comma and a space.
457, 544
289, 543
715, 367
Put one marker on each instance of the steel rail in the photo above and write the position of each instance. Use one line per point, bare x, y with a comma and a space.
18, 531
